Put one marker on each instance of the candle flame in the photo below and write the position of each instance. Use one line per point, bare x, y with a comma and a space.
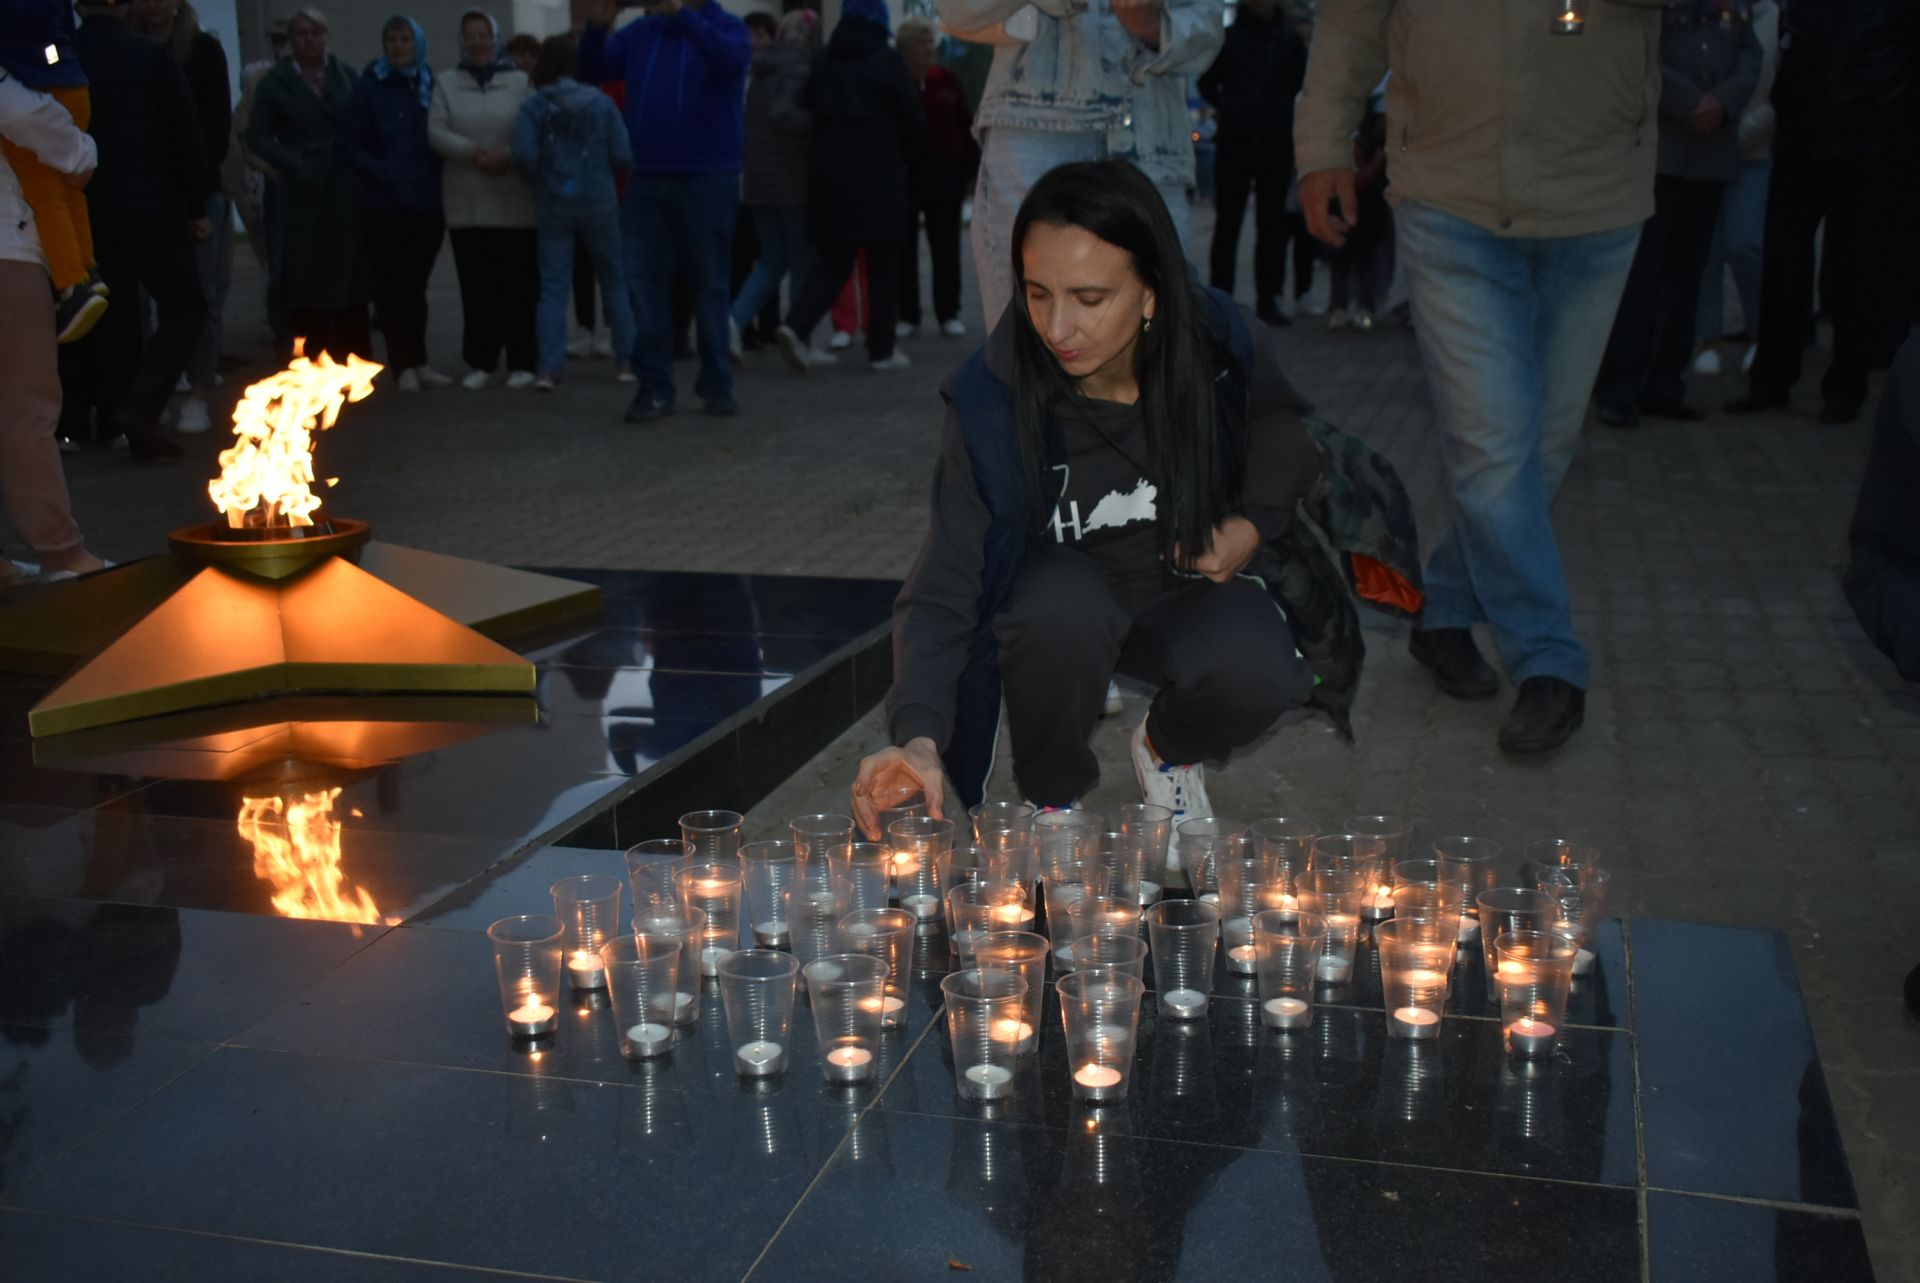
266, 476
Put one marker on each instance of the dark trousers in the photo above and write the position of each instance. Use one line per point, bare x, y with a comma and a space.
582, 284
337, 331
124, 376
1857, 200
499, 269
1264, 173
831, 267
1221, 654
402, 245
1652, 338
942, 216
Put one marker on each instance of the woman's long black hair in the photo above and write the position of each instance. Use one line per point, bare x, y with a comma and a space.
1176, 359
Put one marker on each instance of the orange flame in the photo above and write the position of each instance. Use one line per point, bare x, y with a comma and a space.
266, 476
296, 848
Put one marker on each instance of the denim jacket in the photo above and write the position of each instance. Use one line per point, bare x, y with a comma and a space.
567, 142
1069, 66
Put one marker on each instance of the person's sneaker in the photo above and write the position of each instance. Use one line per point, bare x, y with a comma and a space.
1337, 319
1459, 669
520, 380
734, 348
193, 416
648, 405
1547, 712
76, 310
182, 385
1363, 320
1113, 707
840, 341
579, 343
625, 374
476, 379
905, 329
602, 343
17, 574
800, 355
428, 377
1181, 789
94, 283
954, 328
898, 360
1746, 362
1708, 362
407, 382
545, 383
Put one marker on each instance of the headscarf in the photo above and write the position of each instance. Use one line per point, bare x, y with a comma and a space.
422, 74
501, 60
799, 27
869, 11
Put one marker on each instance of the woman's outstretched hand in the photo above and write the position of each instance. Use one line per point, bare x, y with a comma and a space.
893, 773
1235, 540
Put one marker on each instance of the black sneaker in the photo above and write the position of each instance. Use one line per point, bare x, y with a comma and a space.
1458, 667
647, 406
76, 310
1548, 711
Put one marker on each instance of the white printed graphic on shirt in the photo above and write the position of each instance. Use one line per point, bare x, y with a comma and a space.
1115, 509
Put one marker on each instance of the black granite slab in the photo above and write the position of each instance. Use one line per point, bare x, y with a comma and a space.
1704, 1240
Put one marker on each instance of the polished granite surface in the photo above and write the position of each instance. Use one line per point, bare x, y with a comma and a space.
224, 1054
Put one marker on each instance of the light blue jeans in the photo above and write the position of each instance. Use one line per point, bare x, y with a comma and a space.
1011, 162
1738, 240
598, 230
784, 252
1511, 330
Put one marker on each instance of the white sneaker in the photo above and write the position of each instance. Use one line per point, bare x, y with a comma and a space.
905, 329
182, 384
953, 329
625, 374
966, 213
800, 355
734, 349
1707, 363
897, 361
1181, 789
1113, 707
840, 340
520, 380
1746, 362
428, 377
408, 381
603, 343
1363, 320
476, 379
580, 343
193, 416
545, 383
1337, 319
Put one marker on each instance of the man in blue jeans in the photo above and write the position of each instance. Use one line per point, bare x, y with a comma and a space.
1520, 163
685, 67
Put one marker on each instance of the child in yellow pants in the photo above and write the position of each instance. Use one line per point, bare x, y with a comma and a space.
38, 49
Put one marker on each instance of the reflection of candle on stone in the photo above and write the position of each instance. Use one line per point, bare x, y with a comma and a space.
533, 1017
1286, 1013
759, 1059
649, 1038
849, 1064
1096, 1082
1531, 1039
988, 1082
1183, 1004
1416, 1022
584, 970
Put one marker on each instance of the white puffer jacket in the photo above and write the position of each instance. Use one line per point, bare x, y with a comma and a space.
467, 116
30, 119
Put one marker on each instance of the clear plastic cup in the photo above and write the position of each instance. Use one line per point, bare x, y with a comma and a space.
1448, 878
1478, 860
713, 835
1126, 954
1121, 858
1018, 856
918, 845
1336, 895
1365, 856
1025, 954
1150, 828
902, 803
588, 907
1194, 842
1510, 909
757, 990
1066, 879
1579, 895
1101, 1013
714, 889
813, 904
886, 934
1414, 972
846, 991
1285, 842
1058, 833
1533, 970
867, 869
975, 909
986, 1008
643, 980
526, 958
686, 927
972, 864
1103, 915
1428, 905
815, 835
1287, 949
1239, 874
768, 868
650, 867
1183, 935
1001, 817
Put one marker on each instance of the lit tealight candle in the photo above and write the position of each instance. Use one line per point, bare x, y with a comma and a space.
1416, 1022
649, 1038
921, 906
1183, 1004
1286, 1013
893, 1011
1240, 959
849, 1065
759, 1059
584, 970
1333, 971
1469, 928
1096, 1082
532, 1018
684, 1010
988, 1082
1012, 917
710, 959
1016, 1033
1150, 892
771, 935
1531, 1039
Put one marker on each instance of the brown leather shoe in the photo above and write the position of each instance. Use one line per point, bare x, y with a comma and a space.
1458, 667
1546, 714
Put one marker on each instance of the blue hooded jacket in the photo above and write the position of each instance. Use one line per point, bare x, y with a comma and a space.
686, 87
567, 141
386, 132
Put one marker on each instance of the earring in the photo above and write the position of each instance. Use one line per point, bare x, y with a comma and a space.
1146, 324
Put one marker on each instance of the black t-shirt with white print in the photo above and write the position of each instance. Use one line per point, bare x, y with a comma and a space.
1109, 501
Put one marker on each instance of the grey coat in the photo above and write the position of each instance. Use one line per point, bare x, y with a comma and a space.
774, 168
1706, 47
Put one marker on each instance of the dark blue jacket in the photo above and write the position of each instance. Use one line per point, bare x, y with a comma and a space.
27, 28
387, 143
686, 81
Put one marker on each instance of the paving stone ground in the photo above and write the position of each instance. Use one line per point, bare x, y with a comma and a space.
1747, 758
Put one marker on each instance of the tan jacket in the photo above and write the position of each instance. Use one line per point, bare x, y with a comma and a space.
465, 117
1491, 116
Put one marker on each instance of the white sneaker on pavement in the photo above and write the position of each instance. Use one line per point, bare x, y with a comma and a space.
800, 355
546, 383
1113, 706
476, 379
625, 374
897, 361
193, 416
840, 340
734, 349
579, 343
428, 377
953, 329
1746, 362
905, 329
603, 343
1707, 363
408, 381
520, 380
1181, 789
